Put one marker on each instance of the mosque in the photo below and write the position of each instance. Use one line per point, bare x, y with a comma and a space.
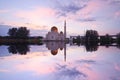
54, 35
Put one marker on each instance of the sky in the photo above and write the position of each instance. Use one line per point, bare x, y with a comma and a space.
40, 15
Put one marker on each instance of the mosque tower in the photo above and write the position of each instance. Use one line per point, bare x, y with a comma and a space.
65, 30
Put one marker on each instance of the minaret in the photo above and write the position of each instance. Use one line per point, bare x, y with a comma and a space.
65, 30
65, 40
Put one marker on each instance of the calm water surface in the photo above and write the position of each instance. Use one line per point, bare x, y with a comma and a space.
77, 64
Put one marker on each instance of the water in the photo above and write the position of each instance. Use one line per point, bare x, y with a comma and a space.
36, 62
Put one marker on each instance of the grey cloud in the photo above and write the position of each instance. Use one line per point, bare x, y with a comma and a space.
63, 72
115, 2
71, 7
115, 78
86, 61
86, 20
112, 2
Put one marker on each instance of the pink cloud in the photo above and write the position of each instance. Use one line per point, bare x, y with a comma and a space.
38, 17
36, 14
86, 13
36, 63
4, 70
92, 6
117, 14
36, 68
117, 67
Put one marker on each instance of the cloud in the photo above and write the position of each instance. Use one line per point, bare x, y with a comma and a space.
4, 70
71, 8
117, 67
87, 19
78, 10
36, 27
38, 12
114, 2
117, 14
86, 10
37, 15
64, 72
86, 61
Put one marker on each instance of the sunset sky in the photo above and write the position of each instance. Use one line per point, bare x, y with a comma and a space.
40, 15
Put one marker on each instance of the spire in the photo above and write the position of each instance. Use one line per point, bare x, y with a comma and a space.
65, 30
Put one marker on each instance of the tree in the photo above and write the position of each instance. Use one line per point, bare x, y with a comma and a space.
21, 32
12, 32
91, 35
21, 49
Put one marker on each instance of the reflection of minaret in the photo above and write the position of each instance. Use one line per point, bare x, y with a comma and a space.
65, 30
65, 40
64, 51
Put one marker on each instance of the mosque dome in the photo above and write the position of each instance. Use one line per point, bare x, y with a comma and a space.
55, 29
54, 52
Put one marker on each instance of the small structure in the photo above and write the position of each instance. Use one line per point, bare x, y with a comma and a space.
54, 35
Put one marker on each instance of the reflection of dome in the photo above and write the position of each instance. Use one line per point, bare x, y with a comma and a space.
54, 52
54, 29
61, 48
61, 32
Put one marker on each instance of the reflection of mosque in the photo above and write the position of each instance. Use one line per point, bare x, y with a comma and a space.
56, 46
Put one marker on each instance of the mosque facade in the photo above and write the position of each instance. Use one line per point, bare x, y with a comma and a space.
54, 35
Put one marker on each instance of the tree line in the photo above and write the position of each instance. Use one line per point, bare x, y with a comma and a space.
92, 36
21, 32
17, 33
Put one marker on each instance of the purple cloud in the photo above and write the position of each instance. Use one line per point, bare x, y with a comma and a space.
79, 10
64, 10
71, 7
70, 73
87, 19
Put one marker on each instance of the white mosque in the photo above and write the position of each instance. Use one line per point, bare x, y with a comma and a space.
54, 35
